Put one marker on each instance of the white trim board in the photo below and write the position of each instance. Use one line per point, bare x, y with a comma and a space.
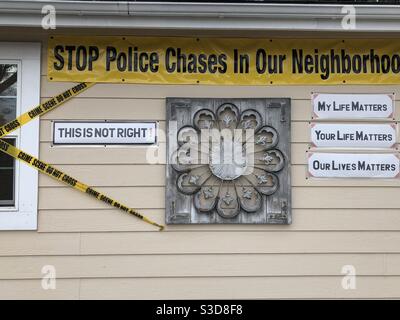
24, 215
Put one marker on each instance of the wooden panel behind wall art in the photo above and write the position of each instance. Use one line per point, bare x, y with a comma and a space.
228, 161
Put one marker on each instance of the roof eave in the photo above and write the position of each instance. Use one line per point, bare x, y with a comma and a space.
203, 16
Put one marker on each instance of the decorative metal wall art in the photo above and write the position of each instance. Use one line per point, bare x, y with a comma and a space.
228, 161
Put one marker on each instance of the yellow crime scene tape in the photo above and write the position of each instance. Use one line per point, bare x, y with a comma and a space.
44, 108
50, 170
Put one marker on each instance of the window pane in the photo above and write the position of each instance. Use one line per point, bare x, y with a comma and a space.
6, 187
8, 79
5, 160
7, 178
8, 110
8, 87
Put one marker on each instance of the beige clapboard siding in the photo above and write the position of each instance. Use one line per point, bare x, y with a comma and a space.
96, 220
300, 130
94, 108
116, 108
239, 288
67, 289
32, 243
153, 197
111, 176
104, 155
392, 264
207, 242
111, 109
212, 265
110, 220
134, 197
323, 287
125, 155
154, 175
104, 90
239, 242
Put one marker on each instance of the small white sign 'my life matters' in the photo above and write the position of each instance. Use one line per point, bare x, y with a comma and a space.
352, 106
104, 133
343, 135
353, 165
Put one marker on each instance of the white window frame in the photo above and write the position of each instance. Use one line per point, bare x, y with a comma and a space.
23, 216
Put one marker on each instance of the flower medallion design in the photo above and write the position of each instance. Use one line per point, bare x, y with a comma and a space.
229, 173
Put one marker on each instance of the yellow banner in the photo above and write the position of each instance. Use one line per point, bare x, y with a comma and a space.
228, 61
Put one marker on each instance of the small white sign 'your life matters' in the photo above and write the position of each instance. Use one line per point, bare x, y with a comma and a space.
360, 135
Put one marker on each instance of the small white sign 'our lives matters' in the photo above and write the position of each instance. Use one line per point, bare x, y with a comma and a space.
353, 165
352, 106
104, 133
360, 135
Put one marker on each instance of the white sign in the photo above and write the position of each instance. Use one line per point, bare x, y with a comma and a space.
104, 133
352, 106
353, 165
329, 135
